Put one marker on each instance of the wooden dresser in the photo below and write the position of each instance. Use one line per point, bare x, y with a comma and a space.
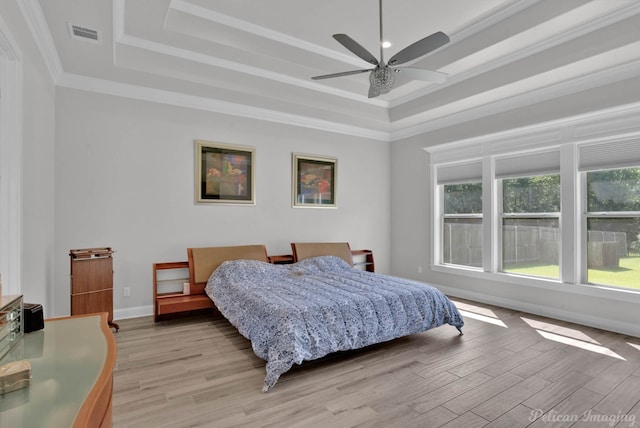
92, 282
72, 361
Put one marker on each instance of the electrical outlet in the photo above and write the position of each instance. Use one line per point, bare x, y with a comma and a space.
126, 291
419, 269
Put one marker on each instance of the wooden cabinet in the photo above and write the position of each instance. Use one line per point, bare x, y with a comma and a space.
168, 290
11, 322
92, 282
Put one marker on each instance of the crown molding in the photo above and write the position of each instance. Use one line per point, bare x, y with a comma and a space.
491, 18
188, 55
573, 33
36, 23
125, 90
121, 37
35, 20
597, 126
128, 40
257, 30
600, 78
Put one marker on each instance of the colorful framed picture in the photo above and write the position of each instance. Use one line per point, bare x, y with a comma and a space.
314, 181
224, 173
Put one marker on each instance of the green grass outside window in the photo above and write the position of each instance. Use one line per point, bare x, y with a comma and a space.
627, 275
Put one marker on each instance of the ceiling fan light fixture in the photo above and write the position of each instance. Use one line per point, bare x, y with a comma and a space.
382, 80
382, 77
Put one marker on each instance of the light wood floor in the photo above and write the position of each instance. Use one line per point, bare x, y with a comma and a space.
510, 369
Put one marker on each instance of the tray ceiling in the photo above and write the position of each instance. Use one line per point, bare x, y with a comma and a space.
255, 58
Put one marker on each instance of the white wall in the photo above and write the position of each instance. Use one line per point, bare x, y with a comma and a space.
411, 217
107, 171
125, 179
37, 181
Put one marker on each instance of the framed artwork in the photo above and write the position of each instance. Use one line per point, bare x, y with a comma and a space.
224, 173
314, 181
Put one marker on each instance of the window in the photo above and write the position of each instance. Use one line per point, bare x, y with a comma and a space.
613, 227
460, 190
531, 225
462, 224
529, 185
567, 213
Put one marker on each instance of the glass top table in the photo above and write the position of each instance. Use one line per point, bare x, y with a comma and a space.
70, 358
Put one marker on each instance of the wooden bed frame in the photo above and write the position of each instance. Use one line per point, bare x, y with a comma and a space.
203, 261
306, 250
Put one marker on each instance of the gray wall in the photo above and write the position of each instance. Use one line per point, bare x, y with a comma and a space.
125, 179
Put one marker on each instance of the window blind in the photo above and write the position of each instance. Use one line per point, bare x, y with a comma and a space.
460, 173
529, 164
617, 154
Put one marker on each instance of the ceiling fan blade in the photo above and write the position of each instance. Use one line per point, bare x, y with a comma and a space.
421, 74
344, 73
420, 48
355, 47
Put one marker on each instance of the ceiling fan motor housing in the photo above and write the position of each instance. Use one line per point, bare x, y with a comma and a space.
382, 79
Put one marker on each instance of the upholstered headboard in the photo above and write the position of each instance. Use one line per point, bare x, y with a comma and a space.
203, 261
305, 250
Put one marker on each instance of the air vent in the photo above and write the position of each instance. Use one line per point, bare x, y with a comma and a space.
83, 33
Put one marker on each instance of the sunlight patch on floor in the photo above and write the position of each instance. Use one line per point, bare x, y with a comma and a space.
579, 344
475, 309
483, 318
634, 345
559, 330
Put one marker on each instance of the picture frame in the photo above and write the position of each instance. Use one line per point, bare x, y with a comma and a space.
224, 173
314, 183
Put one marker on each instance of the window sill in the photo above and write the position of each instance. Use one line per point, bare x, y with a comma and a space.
601, 291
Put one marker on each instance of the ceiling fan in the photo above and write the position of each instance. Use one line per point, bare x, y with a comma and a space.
382, 76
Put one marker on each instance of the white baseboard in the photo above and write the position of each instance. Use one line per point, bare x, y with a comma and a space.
135, 312
578, 318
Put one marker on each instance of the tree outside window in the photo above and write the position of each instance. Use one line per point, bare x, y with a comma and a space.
613, 227
531, 225
462, 224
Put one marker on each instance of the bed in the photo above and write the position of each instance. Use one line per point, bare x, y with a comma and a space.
319, 305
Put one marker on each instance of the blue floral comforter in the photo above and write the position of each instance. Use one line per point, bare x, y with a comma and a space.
306, 310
